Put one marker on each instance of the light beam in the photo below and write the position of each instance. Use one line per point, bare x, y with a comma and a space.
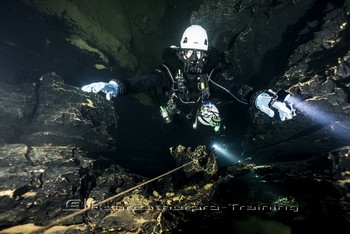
222, 151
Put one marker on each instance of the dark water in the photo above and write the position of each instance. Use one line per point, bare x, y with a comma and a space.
143, 139
31, 45
34, 45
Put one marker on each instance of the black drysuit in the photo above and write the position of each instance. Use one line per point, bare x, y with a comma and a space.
218, 69
221, 85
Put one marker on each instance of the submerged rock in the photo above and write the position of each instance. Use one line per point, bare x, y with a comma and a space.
202, 162
162, 205
50, 112
283, 192
58, 180
295, 175
318, 75
36, 182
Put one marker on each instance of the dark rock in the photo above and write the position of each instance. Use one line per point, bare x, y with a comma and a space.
203, 163
16, 105
38, 180
50, 112
41, 184
162, 205
113, 180
62, 115
318, 76
254, 35
315, 185
297, 171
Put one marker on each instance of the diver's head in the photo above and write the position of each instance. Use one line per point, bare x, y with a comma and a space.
194, 47
195, 38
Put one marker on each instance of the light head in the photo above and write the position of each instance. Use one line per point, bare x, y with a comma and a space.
194, 38
194, 47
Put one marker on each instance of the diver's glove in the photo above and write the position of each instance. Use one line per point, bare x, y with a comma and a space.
111, 89
269, 100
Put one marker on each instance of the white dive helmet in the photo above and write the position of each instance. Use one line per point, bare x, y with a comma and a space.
195, 37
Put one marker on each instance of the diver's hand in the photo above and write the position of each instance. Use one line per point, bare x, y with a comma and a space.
111, 89
279, 101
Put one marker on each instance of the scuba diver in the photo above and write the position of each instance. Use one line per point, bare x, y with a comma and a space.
193, 77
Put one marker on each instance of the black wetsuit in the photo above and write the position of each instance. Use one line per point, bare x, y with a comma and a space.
160, 77
221, 85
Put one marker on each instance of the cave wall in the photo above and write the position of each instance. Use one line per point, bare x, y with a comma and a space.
50, 112
306, 53
318, 76
127, 35
255, 35
47, 124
